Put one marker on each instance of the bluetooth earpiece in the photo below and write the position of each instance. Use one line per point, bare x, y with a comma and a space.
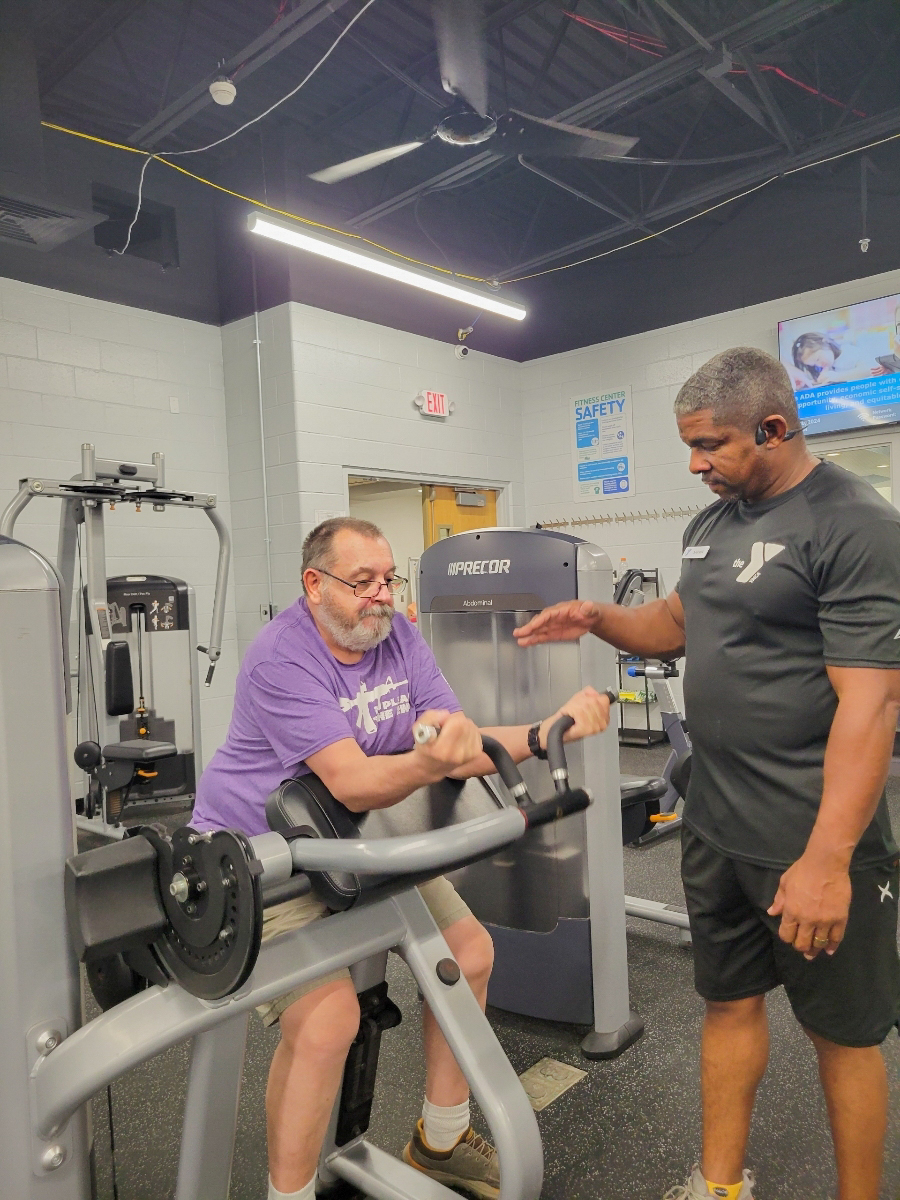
761, 437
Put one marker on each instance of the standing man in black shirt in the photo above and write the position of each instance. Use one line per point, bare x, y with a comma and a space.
788, 609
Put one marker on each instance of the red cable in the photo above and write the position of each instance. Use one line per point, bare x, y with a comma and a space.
635, 40
622, 36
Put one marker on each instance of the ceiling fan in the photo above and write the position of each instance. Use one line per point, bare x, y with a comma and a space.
467, 121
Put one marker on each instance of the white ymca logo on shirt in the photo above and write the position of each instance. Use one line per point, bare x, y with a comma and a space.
376, 704
760, 554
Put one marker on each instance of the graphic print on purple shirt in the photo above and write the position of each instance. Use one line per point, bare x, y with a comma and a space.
293, 698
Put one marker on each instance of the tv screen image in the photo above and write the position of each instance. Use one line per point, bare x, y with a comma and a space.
845, 365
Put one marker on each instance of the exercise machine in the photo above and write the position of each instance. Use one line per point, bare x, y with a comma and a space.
138, 687
666, 819
554, 905
629, 592
170, 929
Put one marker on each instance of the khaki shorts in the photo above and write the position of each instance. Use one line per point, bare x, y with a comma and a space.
444, 903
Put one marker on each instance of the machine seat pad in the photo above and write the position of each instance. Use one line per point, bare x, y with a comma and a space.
636, 789
305, 807
138, 750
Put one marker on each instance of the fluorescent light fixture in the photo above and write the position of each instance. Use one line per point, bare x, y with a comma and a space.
281, 231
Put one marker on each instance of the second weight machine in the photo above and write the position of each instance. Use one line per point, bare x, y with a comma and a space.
137, 629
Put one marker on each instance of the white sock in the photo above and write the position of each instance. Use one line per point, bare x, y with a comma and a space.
306, 1193
445, 1126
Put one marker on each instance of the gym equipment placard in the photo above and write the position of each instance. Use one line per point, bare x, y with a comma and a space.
602, 445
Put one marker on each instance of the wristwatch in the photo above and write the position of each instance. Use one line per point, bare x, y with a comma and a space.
534, 740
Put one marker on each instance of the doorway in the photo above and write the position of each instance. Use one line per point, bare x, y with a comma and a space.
449, 510
413, 514
395, 506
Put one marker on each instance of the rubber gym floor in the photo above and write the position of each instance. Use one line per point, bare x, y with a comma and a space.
627, 1131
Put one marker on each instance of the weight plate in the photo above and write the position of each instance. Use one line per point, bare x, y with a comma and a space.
213, 935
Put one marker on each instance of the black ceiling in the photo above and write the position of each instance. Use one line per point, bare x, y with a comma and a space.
809, 79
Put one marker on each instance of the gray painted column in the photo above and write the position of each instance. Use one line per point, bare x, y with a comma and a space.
40, 1001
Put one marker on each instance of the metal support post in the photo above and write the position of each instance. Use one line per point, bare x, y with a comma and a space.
211, 1111
615, 1026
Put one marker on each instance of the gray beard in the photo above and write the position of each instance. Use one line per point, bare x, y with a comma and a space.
356, 637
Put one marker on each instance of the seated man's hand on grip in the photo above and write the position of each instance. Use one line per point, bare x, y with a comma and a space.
590, 712
459, 742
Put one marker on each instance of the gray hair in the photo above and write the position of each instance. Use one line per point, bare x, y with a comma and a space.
740, 387
318, 547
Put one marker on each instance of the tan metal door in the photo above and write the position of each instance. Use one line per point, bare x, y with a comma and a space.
448, 510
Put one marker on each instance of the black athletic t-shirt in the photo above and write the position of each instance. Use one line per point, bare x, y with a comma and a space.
772, 592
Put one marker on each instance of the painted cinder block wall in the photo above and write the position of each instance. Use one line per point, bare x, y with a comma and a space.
338, 398
73, 370
655, 364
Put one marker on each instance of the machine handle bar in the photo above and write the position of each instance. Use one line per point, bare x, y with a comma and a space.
556, 751
506, 768
556, 754
441, 849
566, 802
410, 853
496, 752
663, 671
214, 650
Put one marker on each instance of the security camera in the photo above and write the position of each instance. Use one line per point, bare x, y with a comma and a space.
462, 351
864, 244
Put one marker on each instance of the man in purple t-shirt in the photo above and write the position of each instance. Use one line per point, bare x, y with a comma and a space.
334, 685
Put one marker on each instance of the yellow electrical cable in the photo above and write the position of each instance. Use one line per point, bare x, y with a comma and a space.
443, 270
281, 212
647, 238
637, 241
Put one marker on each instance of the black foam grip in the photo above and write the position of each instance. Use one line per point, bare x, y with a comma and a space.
556, 755
562, 805
502, 760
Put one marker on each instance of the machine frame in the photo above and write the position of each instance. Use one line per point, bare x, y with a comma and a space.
56, 1063
102, 482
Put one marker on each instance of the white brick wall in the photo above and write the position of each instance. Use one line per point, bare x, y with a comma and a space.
338, 395
76, 370
655, 364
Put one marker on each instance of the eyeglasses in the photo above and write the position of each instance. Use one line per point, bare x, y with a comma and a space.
368, 589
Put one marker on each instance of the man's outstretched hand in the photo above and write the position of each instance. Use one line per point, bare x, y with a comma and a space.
565, 622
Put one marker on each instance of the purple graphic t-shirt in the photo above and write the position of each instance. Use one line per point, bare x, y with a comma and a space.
293, 698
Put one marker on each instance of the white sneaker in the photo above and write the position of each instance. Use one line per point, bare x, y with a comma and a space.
695, 1188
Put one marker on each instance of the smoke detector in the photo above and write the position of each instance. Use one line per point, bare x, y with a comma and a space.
222, 90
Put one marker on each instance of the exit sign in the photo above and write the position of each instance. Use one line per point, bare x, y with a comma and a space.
433, 404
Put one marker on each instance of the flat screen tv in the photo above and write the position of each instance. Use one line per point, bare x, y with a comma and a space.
845, 365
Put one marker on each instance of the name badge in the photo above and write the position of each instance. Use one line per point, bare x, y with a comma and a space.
696, 552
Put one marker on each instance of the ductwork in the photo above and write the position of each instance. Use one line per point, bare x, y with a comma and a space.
30, 215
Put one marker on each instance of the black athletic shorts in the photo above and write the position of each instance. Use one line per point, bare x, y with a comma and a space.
851, 997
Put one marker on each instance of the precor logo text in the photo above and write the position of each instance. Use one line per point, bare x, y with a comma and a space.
479, 566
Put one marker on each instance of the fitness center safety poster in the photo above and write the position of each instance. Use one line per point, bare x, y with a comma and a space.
602, 445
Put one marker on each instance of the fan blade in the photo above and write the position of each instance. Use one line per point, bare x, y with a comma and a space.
365, 162
462, 50
519, 133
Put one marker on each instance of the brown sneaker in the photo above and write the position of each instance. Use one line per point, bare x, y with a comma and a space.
471, 1165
